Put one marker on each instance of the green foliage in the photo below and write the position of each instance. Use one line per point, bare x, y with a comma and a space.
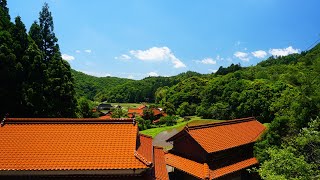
284, 164
118, 112
143, 124
297, 159
231, 68
168, 120
36, 82
85, 108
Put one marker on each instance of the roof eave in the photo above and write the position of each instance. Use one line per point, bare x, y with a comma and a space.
131, 171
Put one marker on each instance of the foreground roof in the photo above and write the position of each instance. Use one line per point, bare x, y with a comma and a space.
31, 144
224, 135
202, 171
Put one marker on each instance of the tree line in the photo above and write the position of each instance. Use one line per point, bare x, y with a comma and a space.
35, 80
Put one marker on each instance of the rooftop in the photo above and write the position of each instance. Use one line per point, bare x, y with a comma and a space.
202, 171
39, 144
225, 135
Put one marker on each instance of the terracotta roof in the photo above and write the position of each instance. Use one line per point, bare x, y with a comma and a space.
191, 167
156, 112
142, 106
68, 144
136, 111
161, 172
202, 171
233, 167
108, 116
224, 135
145, 150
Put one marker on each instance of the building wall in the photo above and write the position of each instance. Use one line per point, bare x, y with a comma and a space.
187, 147
230, 156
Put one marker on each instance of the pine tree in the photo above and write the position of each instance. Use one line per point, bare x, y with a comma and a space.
49, 40
58, 88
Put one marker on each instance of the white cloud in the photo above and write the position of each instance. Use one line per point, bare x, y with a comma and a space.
284, 51
158, 54
123, 57
207, 61
97, 74
152, 74
130, 77
67, 57
259, 54
78, 51
88, 51
242, 55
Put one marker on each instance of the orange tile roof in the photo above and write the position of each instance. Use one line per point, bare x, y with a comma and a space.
220, 136
108, 116
233, 167
161, 172
191, 167
68, 144
145, 149
142, 106
136, 111
156, 111
202, 171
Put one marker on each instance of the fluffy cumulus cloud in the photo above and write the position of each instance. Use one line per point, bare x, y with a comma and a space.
242, 55
284, 51
67, 57
207, 61
88, 51
259, 54
158, 54
123, 57
153, 74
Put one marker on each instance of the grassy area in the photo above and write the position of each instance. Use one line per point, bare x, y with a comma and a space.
179, 126
125, 106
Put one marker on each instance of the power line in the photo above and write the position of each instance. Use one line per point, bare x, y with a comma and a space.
313, 44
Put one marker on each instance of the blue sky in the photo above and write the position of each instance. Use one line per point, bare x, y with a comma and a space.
140, 38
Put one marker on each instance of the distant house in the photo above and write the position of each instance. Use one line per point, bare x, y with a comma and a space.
157, 112
215, 151
63, 148
104, 106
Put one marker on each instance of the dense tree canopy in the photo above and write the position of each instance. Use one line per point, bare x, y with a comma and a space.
36, 81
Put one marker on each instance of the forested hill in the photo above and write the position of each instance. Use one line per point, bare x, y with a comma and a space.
88, 86
114, 89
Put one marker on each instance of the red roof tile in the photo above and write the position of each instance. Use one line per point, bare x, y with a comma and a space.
220, 136
68, 144
135, 111
145, 149
191, 167
202, 171
156, 111
233, 167
161, 172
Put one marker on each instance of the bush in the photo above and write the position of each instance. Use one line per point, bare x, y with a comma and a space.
168, 120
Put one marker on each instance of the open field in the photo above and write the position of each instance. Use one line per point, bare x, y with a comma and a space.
125, 106
179, 126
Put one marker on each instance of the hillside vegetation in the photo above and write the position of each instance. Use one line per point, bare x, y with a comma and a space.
281, 91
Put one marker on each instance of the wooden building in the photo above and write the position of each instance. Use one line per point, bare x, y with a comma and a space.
215, 151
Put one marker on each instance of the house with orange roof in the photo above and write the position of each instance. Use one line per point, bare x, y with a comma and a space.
64, 148
214, 151
157, 113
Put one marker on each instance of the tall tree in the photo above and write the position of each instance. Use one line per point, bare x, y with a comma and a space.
49, 40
